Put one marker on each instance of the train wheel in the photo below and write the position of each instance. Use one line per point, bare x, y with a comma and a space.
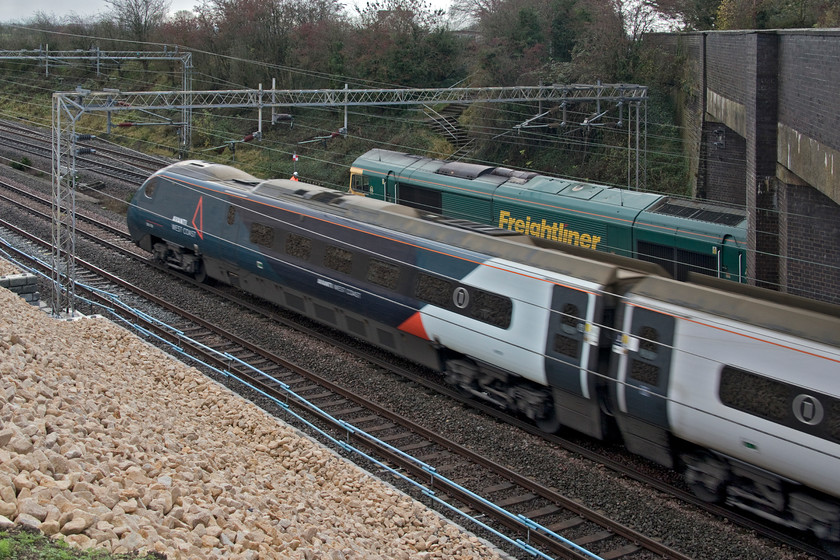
200, 273
707, 477
710, 494
548, 423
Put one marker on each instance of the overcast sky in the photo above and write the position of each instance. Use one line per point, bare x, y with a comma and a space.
21, 10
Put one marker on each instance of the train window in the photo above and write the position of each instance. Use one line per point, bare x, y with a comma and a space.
262, 234
753, 394
434, 290
570, 318
383, 274
645, 372
151, 187
566, 346
231, 216
490, 308
796, 407
338, 259
477, 304
642, 370
648, 343
357, 184
298, 246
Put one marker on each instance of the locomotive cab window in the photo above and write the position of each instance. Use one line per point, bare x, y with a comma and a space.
357, 183
151, 187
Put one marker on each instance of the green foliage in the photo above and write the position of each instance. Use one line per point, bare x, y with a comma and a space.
776, 14
27, 544
568, 18
6, 549
23, 165
404, 42
525, 36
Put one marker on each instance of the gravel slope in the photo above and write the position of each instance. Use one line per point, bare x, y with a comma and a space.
110, 442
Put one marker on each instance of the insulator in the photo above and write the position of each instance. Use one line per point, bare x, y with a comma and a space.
82, 137
248, 138
82, 151
126, 124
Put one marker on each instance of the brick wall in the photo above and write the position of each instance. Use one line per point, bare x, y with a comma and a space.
771, 81
809, 83
761, 104
810, 250
726, 64
724, 164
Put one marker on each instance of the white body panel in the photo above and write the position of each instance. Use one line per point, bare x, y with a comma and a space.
706, 343
519, 348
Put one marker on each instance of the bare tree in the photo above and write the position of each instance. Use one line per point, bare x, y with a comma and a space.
139, 17
696, 15
475, 9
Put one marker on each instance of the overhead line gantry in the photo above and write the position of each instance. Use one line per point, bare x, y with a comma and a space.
69, 107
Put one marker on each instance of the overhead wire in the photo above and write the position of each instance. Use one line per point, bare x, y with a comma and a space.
509, 117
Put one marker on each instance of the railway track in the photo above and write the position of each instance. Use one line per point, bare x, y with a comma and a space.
547, 509
103, 158
508, 502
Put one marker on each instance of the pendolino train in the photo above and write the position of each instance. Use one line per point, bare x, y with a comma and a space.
736, 387
680, 235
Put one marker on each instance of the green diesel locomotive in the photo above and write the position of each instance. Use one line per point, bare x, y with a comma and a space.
680, 235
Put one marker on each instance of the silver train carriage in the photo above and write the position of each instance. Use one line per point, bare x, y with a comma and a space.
737, 387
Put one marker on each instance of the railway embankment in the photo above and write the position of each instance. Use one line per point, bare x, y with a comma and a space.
108, 442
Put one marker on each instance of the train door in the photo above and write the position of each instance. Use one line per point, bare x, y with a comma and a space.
391, 188
571, 353
642, 378
732, 263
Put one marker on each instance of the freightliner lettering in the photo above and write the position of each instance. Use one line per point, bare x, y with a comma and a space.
554, 232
